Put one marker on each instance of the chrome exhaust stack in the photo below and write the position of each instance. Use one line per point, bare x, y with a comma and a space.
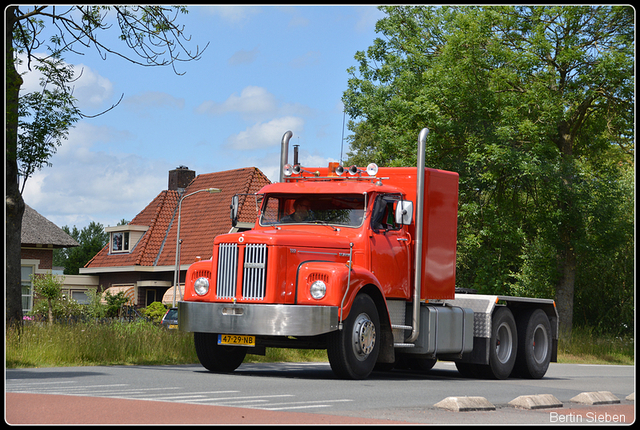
415, 317
284, 152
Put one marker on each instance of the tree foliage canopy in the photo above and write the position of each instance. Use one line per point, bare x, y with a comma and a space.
533, 106
91, 239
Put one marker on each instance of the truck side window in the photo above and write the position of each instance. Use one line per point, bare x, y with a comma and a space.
383, 215
270, 212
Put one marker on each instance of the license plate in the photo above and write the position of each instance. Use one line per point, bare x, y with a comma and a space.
237, 340
173, 326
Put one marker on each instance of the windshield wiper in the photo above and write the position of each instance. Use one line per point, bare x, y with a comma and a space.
319, 221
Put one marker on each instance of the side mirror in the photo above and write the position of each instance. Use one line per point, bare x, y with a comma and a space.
404, 212
234, 210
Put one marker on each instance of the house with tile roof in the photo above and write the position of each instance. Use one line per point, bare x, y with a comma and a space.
140, 257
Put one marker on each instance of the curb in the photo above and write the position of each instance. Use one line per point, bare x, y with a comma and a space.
537, 401
465, 404
595, 398
530, 402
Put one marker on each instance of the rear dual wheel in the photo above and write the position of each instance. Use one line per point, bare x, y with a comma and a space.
521, 349
534, 344
503, 346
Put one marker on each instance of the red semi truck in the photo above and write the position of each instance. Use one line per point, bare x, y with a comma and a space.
360, 262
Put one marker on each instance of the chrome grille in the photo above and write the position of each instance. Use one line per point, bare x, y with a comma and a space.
253, 271
227, 270
253, 275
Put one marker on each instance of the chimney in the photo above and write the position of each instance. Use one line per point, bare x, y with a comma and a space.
180, 177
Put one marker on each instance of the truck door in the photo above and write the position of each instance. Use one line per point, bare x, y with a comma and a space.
390, 255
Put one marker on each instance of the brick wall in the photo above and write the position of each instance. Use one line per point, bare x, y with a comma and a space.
44, 255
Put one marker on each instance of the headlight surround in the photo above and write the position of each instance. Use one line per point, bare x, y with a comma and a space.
201, 286
318, 289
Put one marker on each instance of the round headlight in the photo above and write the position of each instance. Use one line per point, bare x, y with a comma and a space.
318, 289
201, 286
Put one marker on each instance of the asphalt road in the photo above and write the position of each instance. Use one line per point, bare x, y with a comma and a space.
301, 393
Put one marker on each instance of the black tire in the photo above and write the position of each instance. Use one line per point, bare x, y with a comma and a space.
217, 358
353, 351
534, 344
503, 345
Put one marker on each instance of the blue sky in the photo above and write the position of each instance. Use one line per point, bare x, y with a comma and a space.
267, 69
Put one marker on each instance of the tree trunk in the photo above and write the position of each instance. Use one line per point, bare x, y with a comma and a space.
50, 310
14, 202
565, 289
566, 231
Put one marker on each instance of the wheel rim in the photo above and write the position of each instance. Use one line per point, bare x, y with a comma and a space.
540, 344
504, 343
363, 336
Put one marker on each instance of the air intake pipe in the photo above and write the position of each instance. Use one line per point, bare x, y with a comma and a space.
415, 317
284, 152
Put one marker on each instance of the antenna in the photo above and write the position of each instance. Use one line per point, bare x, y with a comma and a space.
342, 140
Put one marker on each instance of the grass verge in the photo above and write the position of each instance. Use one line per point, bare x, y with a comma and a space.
586, 347
145, 343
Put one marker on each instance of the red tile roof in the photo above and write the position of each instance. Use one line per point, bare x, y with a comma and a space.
202, 217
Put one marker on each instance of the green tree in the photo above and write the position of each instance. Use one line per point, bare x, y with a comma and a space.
91, 239
44, 117
149, 36
48, 286
115, 303
533, 106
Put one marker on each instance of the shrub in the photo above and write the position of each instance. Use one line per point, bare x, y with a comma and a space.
155, 311
47, 286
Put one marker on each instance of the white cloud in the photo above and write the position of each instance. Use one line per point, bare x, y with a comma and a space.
253, 104
84, 182
90, 89
235, 15
252, 100
265, 135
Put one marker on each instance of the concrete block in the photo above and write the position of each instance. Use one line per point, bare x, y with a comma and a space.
595, 398
465, 404
536, 401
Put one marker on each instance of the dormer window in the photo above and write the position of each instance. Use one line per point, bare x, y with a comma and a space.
120, 241
123, 238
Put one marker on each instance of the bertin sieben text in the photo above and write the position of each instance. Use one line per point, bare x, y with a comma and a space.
589, 417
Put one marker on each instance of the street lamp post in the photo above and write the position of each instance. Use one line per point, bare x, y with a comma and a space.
176, 274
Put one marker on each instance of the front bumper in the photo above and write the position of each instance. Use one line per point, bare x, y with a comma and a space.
257, 319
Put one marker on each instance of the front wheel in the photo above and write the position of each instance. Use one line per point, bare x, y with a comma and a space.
217, 358
353, 351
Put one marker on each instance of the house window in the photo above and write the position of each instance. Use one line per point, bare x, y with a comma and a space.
27, 288
120, 241
80, 296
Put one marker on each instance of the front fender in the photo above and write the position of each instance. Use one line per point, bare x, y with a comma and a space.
335, 276
198, 269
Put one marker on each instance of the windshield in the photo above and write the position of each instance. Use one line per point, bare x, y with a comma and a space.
342, 210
